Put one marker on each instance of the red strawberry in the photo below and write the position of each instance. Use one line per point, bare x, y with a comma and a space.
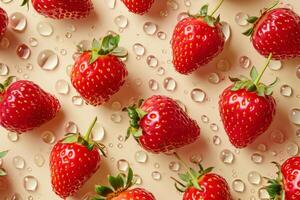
99, 73
73, 160
2, 171
25, 106
196, 41
286, 185
247, 108
3, 22
202, 185
138, 6
160, 125
120, 189
276, 31
62, 9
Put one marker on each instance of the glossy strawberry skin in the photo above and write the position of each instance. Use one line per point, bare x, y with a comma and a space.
138, 6
245, 115
71, 166
291, 178
277, 32
135, 194
214, 187
166, 126
63, 9
195, 43
3, 22
98, 81
25, 106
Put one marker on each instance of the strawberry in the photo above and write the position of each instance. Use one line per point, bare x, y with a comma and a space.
161, 125
247, 108
276, 31
2, 171
203, 184
62, 9
286, 185
120, 189
196, 41
138, 6
99, 73
25, 106
73, 160
3, 22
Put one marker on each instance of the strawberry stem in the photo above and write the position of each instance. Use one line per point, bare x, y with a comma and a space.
263, 71
217, 7
88, 133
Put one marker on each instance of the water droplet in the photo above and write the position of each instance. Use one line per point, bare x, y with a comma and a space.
138, 49
238, 185
164, 13
286, 90
84, 45
182, 16
160, 71
121, 138
47, 60
141, 156
187, 3
48, 137
23, 51
150, 28
152, 61
298, 132
204, 119
62, 87
153, 85
161, 35
19, 162
275, 65
196, 159
121, 21
39, 160
241, 19
257, 158
29, 67
123, 165
4, 43
174, 166
116, 105
198, 95
116, 118
98, 133
77, 100
71, 127
18, 21
68, 35
277, 136
30, 183
33, 42
214, 127
120, 146
223, 65
63, 52
44, 29
263, 194
137, 179
173, 4
292, 149
262, 147
245, 62
214, 78
110, 3
227, 156
226, 30
13, 136
254, 178
298, 71
216, 140
138, 82
156, 175
295, 116
170, 84
16, 196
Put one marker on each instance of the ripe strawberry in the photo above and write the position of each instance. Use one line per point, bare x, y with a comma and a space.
2, 171
202, 185
247, 108
286, 185
120, 189
3, 22
138, 6
276, 31
62, 9
160, 125
25, 106
196, 41
99, 73
73, 160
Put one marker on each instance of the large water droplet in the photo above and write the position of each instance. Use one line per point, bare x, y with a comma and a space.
44, 29
295, 116
257, 158
23, 51
150, 28
241, 19
48, 137
275, 65
19, 162
170, 84
238, 185
18, 21
254, 178
286, 90
47, 60
198, 95
123, 165
30, 183
39, 160
227, 156
62, 87
141, 156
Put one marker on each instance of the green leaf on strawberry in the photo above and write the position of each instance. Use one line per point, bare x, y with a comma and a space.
2, 171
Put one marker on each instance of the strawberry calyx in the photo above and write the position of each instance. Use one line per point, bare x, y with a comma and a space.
135, 114
191, 177
253, 20
25, 2
107, 45
2, 171
275, 188
254, 84
119, 184
84, 140
6, 83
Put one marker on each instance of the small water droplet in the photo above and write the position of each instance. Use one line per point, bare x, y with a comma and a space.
244, 62
123, 165
214, 78
44, 29
13, 136
77, 100
275, 65
29, 67
62, 87
23, 51
174, 166
30, 183
223, 65
286, 90
172, 4
298, 132
153, 85
47, 60
71, 127
33, 42
137, 179
198, 95
298, 71
110, 3
4, 43
295, 116
170, 84
116, 105
19, 162
160, 71
257, 158
63, 52
182, 16
68, 35
121, 138
150, 28
141, 156
238, 185
117, 118
254, 178
156, 175
262, 147
18, 21
216, 140
161, 35
121, 21
39, 160
98, 133
187, 3
48, 137
214, 127
277, 136
241, 19
263, 194
196, 159
204, 119
292, 149
227, 157
16, 196
152, 61
226, 30
120, 146
138, 49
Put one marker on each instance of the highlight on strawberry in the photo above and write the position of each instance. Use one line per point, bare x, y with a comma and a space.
247, 108
138, 6
202, 184
100, 73
3, 22
160, 125
286, 185
2, 171
121, 189
73, 160
25, 106
197, 39
62, 9
275, 31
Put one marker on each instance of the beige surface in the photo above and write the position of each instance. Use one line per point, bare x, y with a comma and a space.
30, 144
